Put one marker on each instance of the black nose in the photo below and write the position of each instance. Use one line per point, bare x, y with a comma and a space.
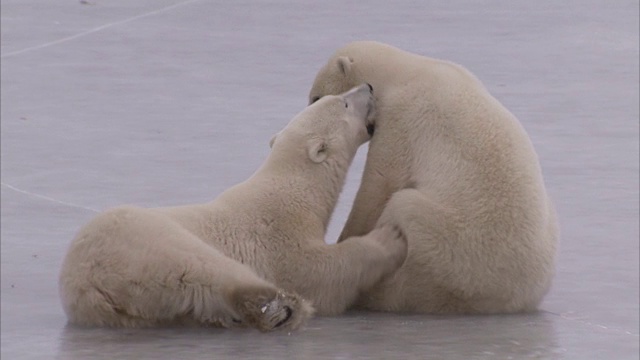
370, 87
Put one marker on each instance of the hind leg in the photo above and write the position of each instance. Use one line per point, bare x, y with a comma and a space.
437, 272
131, 267
268, 308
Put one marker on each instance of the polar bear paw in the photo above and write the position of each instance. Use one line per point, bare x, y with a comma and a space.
394, 242
267, 309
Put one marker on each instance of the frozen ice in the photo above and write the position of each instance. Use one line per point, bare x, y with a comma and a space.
162, 102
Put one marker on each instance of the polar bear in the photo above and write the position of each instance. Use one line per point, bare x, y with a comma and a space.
254, 257
457, 173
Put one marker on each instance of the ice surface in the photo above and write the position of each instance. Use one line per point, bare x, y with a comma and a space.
159, 102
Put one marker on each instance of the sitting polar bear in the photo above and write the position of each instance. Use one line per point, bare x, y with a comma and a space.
457, 173
253, 256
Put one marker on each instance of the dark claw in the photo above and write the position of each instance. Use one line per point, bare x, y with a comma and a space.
283, 321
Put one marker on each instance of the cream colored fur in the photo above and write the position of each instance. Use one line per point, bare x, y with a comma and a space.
457, 173
253, 256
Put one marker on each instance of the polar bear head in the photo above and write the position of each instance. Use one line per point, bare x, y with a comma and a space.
329, 130
355, 63
334, 77
372, 62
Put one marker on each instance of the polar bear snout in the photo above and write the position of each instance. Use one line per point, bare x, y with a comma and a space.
370, 125
362, 103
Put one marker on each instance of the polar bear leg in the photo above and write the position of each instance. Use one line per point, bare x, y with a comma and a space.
134, 268
438, 270
369, 201
335, 275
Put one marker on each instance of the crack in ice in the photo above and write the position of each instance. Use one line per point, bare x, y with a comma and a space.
99, 28
47, 198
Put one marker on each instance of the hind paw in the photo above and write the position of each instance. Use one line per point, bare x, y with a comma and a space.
269, 309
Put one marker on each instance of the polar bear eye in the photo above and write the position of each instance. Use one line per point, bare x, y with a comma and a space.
346, 104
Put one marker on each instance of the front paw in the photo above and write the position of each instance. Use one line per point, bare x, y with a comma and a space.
394, 242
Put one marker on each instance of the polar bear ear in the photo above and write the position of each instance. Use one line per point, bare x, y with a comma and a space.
344, 64
273, 139
317, 150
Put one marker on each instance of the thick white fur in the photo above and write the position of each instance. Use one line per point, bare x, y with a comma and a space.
253, 256
457, 173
